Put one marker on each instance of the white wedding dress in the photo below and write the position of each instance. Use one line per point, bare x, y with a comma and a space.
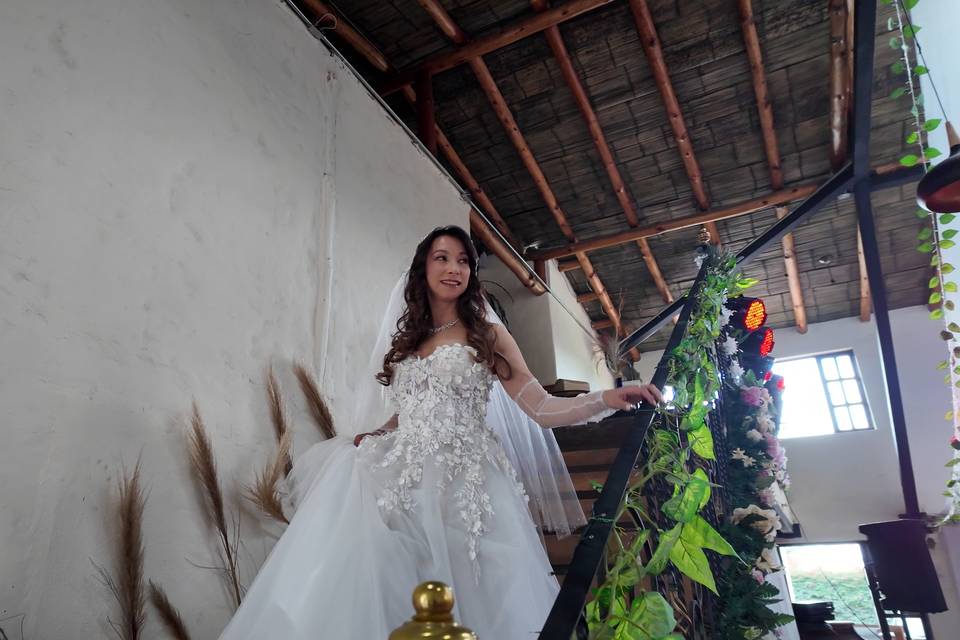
436, 499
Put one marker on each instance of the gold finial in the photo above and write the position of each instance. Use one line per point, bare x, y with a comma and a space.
703, 238
433, 603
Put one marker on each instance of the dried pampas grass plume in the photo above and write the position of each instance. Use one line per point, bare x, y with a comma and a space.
318, 408
127, 585
204, 468
265, 491
169, 616
278, 418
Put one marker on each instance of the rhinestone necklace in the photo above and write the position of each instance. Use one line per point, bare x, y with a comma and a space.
444, 326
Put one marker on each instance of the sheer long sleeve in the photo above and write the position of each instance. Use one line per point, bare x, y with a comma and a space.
544, 409
551, 411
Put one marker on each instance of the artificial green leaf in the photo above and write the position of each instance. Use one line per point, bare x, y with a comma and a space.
898, 93
935, 298
894, 43
947, 218
699, 532
949, 233
913, 138
950, 306
932, 153
701, 441
651, 616
658, 561
947, 244
925, 234
925, 247
950, 287
911, 30
936, 314
953, 326
684, 506
920, 213
921, 70
946, 268
948, 415
910, 4
931, 124
934, 282
909, 160
934, 260
942, 365
890, 27
700, 473
953, 462
692, 562
898, 66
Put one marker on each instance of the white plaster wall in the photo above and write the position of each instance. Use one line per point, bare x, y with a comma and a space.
576, 353
180, 184
553, 344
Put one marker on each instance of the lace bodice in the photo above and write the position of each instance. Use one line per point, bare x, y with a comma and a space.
441, 403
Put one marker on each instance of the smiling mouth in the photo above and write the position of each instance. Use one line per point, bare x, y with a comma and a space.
451, 283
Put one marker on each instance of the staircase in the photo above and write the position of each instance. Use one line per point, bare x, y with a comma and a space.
588, 452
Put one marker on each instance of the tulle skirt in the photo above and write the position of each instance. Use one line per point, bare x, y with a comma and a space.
343, 569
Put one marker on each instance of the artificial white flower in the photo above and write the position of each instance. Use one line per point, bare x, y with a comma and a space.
767, 524
699, 258
767, 561
740, 454
725, 314
754, 436
736, 371
765, 424
729, 347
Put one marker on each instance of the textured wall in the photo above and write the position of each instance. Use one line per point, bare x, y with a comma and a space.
188, 190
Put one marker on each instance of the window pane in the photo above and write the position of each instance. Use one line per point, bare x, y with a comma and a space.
829, 368
836, 393
852, 391
843, 419
806, 411
859, 415
845, 365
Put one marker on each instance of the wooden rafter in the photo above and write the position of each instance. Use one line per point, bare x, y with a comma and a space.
758, 73
503, 113
559, 49
658, 66
839, 82
777, 198
793, 277
482, 46
479, 226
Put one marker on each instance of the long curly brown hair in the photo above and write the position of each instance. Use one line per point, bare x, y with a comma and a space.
414, 325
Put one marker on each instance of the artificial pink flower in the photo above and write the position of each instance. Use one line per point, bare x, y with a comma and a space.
955, 442
757, 575
753, 396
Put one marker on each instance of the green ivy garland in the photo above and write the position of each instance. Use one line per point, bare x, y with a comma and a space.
937, 232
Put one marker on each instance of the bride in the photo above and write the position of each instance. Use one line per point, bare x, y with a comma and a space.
430, 495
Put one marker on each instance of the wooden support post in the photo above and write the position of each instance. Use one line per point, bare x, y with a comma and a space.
865, 303
839, 82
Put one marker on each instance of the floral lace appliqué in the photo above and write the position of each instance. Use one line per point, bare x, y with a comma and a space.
441, 403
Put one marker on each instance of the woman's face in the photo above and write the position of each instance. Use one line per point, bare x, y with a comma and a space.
448, 268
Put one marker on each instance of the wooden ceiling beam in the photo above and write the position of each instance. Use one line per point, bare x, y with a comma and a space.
658, 66
353, 38
562, 56
777, 198
751, 40
839, 82
478, 225
502, 110
584, 298
481, 46
568, 265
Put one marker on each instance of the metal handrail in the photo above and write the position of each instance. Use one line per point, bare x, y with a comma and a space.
588, 555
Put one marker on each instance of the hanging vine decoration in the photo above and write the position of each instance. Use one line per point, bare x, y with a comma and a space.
937, 232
